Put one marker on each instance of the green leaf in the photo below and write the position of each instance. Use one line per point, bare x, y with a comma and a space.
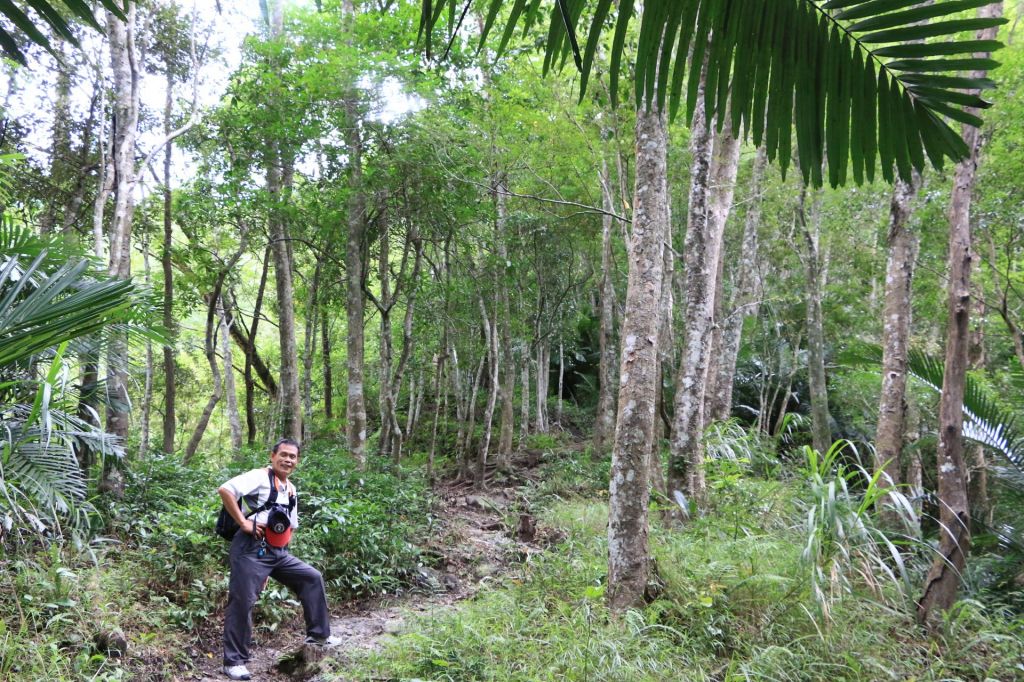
593, 39
54, 20
955, 82
939, 28
868, 9
924, 65
625, 14
922, 13
918, 50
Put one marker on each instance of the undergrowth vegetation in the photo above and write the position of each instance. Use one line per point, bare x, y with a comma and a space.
156, 573
785, 578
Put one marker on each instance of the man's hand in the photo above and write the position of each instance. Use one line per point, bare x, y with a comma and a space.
253, 529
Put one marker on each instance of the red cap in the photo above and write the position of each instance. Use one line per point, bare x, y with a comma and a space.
278, 539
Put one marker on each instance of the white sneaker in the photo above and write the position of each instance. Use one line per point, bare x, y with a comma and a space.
326, 643
237, 672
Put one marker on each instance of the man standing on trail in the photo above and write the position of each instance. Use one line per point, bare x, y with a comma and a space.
260, 551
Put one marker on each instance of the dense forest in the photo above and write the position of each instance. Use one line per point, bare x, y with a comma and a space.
660, 340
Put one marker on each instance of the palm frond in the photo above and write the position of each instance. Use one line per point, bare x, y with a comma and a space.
35, 316
986, 422
48, 16
858, 79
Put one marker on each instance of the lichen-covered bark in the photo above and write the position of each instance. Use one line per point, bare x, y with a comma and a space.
123, 61
743, 302
899, 275
628, 550
701, 247
943, 580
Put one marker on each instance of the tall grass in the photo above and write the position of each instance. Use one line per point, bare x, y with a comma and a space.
738, 602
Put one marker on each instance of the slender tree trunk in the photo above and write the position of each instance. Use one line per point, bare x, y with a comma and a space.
60, 149
725, 163
386, 408
524, 398
686, 454
309, 348
218, 386
356, 404
943, 580
408, 340
491, 336
89, 398
543, 367
628, 548
470, 414
325, 358
251, 356
440, 403
604, 422
821, 432
147, 391
170, 366
121, 37
503, 313
234, 418
977, 472
743, 302
902, 246
279, 175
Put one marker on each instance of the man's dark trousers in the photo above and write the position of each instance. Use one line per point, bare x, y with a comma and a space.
248, 573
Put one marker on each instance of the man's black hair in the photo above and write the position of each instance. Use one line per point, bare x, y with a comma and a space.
286, 441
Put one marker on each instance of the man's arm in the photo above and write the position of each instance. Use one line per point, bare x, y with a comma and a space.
231, 504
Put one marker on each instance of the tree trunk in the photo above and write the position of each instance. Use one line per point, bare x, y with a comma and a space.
503, 313
628, 549
686, 452
252, 358
356, 405
604, 422
470, 416
942, 583
60, 148
218, 387
524, 397
170, 368
493, 365
147, 391
279, 176
725, 163
743, 302
440, 402
902, 245
325, 359
543, 377
121, 36
821, 432
977, 471
308, 349
234, 418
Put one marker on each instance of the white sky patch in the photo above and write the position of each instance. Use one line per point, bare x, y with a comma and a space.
32, 90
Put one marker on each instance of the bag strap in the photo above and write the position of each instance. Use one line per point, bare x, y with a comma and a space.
273, 489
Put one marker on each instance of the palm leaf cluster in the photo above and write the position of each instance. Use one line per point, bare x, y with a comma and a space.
859, 81
47, 305
986, 421
47, 15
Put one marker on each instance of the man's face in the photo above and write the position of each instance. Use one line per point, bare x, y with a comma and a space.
284, 460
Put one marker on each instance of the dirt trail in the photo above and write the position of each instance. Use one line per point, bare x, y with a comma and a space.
472, 546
